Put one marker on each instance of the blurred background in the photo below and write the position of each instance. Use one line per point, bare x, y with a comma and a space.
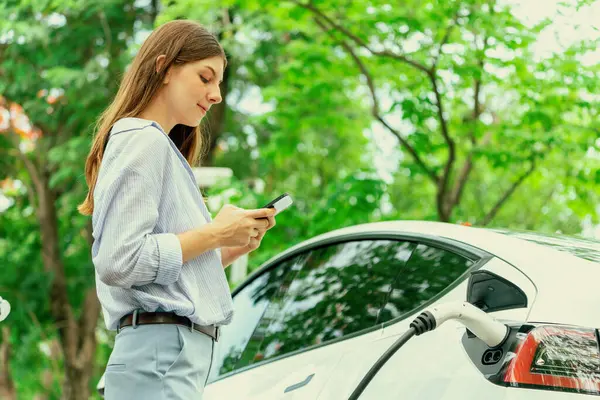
480, 112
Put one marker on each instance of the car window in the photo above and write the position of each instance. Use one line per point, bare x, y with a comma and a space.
331, 292
428, 272
249, 306
340, 289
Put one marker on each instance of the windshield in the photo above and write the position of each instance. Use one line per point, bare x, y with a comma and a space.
583, 248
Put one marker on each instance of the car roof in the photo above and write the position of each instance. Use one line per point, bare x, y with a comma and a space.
566, 285
533, 258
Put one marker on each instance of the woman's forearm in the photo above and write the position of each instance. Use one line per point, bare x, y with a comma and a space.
198, 241
229, 255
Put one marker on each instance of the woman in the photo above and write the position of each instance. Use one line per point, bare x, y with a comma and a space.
158, 256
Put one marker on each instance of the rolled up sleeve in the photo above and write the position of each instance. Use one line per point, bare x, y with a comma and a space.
127, 251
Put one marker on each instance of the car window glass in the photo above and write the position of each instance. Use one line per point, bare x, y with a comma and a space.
249, 306
331, 292
428, 272
340, 289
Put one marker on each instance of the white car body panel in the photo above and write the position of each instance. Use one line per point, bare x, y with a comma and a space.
270, 380
346, 362
542, 265
560, 287
435, 365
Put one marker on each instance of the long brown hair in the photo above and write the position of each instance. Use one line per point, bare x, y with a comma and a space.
181, 41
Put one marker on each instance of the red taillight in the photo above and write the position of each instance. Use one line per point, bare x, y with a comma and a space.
557, 358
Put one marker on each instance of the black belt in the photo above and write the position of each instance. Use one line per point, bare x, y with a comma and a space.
148, 318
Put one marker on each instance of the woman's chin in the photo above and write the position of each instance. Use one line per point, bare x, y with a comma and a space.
193, 123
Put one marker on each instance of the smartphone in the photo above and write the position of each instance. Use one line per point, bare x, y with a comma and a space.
280, 203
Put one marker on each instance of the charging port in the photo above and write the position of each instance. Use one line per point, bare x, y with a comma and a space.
492, 356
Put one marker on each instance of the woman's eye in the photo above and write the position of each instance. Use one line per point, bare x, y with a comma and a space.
204, 79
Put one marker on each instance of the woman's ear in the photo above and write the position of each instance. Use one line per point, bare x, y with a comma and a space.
160, 62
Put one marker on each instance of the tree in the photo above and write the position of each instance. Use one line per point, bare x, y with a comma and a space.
457, 103
487, 134
59, 65
456, 84
292, 123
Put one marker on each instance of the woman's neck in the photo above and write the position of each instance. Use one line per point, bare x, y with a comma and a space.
159, 113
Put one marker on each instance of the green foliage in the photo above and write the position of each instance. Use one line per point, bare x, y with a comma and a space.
60, 61
299, 118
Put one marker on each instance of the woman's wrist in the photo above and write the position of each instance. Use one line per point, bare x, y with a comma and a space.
198, 241
227, 256
212, 234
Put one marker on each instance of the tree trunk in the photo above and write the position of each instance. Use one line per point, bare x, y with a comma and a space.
77, 380
7, 387
77, 338
442, 206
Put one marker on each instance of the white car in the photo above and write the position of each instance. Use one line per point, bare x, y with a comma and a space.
313, 320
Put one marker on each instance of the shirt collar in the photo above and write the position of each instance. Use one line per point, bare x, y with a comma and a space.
131, 123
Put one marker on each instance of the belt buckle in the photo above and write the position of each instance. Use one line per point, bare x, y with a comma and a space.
134, 320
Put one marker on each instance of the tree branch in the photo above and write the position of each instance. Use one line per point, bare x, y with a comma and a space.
30, 166
12, 172
359, 41
154, 11
442, 204
476, 108
468, 165
532, 223
7, 386
492, 213
53, 360
359, 63
410, 149
107, 32
442, 182
375, 110
464, 174
87, 328
446, 37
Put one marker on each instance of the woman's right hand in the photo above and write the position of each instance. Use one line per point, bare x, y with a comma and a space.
236, 226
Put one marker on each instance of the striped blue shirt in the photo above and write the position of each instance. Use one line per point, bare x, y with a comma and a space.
145, 195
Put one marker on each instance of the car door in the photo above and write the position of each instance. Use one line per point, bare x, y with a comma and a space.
434, 365
293, 319
239, 368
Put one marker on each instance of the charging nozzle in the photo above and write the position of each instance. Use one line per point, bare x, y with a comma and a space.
486, 328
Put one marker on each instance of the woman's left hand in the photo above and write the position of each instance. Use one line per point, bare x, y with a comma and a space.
230, 254
255, 241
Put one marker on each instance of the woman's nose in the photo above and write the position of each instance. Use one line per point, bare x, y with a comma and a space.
215, 96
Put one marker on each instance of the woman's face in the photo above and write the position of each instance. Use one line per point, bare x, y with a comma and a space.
192, 88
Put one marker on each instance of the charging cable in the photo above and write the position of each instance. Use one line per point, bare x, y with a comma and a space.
486, 328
